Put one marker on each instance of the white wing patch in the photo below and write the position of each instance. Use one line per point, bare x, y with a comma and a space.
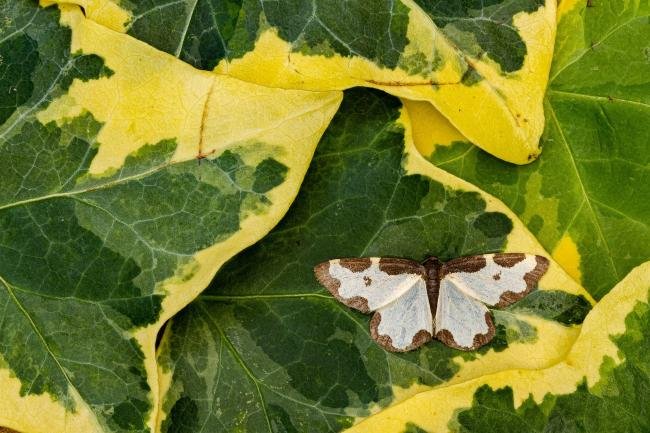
461, 322
504, 278
406, 323
362, 284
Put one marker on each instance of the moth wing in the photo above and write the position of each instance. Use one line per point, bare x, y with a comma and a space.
368, 284
461, 321
406, 323
496, 279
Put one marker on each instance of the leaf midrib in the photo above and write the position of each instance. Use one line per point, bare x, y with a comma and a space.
586, 196
92, 188
256, 382
38, 332
597, 98
594, 44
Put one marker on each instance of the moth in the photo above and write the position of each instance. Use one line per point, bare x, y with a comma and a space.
415, 302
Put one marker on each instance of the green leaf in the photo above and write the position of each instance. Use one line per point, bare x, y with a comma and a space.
265, 348
601, 386
109, 224
450, 54
583, 200
484, 28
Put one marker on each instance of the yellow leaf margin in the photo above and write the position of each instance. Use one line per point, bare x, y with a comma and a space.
502, 113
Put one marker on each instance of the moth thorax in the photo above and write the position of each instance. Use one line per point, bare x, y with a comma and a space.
432, 266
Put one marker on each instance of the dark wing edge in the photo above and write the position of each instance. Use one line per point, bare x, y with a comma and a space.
504, 260
479, 339
531, 278
420, 338
321, 271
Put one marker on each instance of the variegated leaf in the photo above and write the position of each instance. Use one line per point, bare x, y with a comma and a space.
479, 63
585, 200
127, 182
266, 348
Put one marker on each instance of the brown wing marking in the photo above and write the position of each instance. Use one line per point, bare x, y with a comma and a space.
508, 260
463, 264
356, 265
323, 276
479, 339
531, 278
395, 266
421, 337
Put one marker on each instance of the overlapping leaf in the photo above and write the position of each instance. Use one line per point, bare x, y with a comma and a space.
480, 63
602, 386
109, 223
265, 348
584, 200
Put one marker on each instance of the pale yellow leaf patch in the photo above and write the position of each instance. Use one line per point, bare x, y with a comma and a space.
565, 6
108, 13
566, 252
150, 97
430, 128
28, 413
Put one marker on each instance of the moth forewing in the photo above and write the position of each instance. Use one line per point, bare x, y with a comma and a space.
496, 279
368, 284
